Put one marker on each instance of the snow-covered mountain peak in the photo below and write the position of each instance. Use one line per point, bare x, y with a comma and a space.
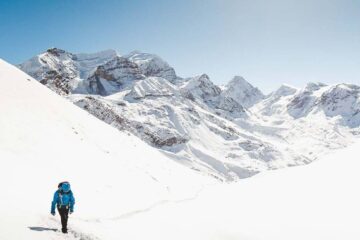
243, 92
201, 87
202, 90
88, 62
144, 58
115, 75
56, 68
108, 54
285, 90
198, 80
239, 81
118, 62
342, 100
64, 72
57, 52
152, 65
314, 86
152, 87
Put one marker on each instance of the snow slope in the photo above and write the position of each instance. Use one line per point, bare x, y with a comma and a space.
128, 190
316, 201
46, 139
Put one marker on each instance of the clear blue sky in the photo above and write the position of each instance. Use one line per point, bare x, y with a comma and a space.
269, 42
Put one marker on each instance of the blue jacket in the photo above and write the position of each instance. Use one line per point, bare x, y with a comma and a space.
63, 199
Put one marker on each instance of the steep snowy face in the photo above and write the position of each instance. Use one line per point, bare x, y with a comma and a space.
55, 68
88, 62
305, 100
288, 100
242, 92
64, 72
314, 86
152, 87
284, 90
153, 66
199, 139
200, 87
342, 100
114, 76
275, 103
203, 91
339, 102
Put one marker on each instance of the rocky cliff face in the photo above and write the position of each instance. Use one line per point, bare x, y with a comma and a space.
114, 76
64, 72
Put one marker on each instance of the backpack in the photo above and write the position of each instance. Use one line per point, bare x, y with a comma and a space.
63, 194
61, 187
60, 184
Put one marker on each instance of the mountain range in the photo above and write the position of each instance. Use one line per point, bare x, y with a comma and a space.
228, 132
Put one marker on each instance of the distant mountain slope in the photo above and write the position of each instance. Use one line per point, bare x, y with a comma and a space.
243, 92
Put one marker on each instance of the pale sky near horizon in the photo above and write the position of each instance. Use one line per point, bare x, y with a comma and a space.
269, 42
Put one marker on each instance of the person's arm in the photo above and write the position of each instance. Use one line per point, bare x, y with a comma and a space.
72, 202
53, 203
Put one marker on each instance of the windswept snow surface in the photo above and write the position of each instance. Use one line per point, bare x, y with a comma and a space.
45, 139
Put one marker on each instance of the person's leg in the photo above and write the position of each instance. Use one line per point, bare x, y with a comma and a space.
66, 217
63, 216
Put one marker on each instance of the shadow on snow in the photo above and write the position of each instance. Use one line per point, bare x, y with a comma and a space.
40, 229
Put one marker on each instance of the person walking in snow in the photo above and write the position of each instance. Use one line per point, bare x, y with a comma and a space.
64, 201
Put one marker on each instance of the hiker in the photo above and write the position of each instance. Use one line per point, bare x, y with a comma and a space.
64, 201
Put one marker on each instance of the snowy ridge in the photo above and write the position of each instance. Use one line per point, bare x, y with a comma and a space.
342, 100
153, 66
62, 71
243, 92
152, 87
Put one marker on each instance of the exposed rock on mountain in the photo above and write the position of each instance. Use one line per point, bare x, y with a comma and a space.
62, 71
114, 76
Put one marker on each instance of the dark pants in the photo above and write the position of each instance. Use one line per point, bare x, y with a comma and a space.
64, 214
